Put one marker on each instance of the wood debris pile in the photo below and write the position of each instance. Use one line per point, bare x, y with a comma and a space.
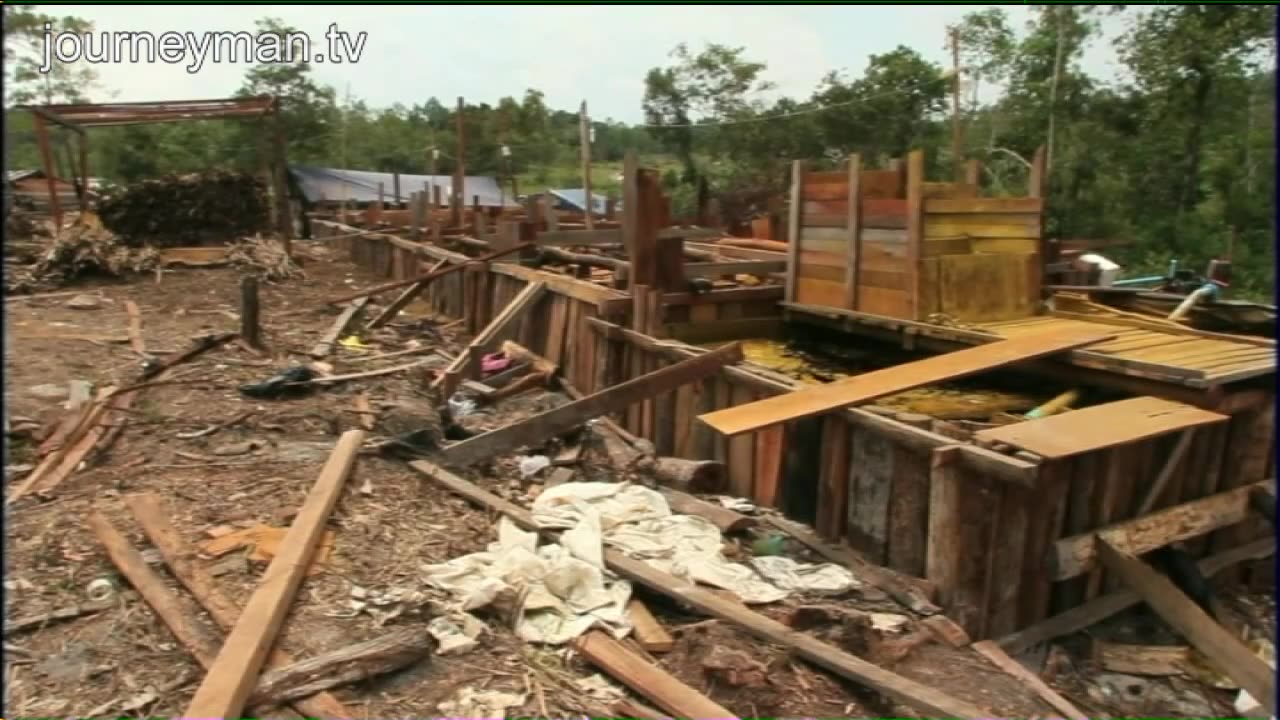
179, 210
264, 257
85, 248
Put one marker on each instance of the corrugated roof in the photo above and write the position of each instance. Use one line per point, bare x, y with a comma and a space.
577, 198
16, 175
361, 186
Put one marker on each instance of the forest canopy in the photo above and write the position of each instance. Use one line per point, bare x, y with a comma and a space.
1177, 159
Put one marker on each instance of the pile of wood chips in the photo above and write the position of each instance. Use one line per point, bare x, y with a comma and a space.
182, 210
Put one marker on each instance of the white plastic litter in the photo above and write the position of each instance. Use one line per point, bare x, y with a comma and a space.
793, 576
456, 638
460, 407
531, 465
472, 703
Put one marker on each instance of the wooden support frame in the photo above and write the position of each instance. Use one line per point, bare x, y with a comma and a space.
853, 225
915, 228
1226, 652
793, 228
1075, 556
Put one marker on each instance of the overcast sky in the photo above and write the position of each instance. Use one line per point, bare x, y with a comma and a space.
571, 53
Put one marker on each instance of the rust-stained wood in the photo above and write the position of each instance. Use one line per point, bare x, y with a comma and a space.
650, 633
546, 425
960, 522
908, 516
647, 679
234, 672
1012, 517
1228, 654
1099, 426
1078, 554
997, 656
879, 383
1099, 609
915, 229
180, 557
1047, 516
869, 477
809, 648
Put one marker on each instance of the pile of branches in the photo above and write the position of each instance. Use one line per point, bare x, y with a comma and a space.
184, 210
84, 249
264, 257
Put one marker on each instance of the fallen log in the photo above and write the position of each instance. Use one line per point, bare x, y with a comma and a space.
551, 423
234, 673
696, 476
344, 666
180, 557
727, 520
653, 682
428, 276
810, 648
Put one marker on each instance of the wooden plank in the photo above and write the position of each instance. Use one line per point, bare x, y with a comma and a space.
1076, 555
992, 652
180, 557
646, 678
1004, 581
915, 228
793, 229
741, 449
234, 672
879, 383
908, 521
1099, 609
648, 631
1033, 205
1099, 426
826, 191
423, 278
807, 647
547, 425
833, 478
1227, 653
501, 324
882, 184
759, 268
403, 299
325, 345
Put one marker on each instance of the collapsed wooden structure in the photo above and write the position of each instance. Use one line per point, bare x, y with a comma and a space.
1024, 530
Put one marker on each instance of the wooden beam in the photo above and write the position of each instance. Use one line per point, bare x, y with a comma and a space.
759, 268
915, 229
403, 299
879, 383
425, 277
805, 646
234, 672
644, 677
325, 345
1170, 465
1226, 652
648, 631
390, 651
180, 556
793, 227
997, 656
553, 422
1099, 609
1075, 556
469, 360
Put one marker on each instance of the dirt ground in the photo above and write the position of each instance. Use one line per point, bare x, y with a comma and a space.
388, 523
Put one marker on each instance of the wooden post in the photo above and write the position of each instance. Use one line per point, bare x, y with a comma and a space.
284, 216
584, 139
437, 196
973, 172
793, 228
250, 329
854, 222
459, 168
549, 211
395, 189
1036, 181
46, 160
915, 228
416, 209
611, 207
84, 171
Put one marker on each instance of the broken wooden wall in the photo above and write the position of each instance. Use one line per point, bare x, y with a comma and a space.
888, 243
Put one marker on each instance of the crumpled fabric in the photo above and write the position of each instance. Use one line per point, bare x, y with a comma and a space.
563, 596
638, 522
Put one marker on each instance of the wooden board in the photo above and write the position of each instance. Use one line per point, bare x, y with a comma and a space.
821, 292
1076, 555
741, 449
981, 288
646, 678
1100, 426
650, 633
768, 471
879, 383
234, 672
984, 205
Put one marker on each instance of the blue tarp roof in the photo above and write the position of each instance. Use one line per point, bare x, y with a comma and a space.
577, 198
361, 186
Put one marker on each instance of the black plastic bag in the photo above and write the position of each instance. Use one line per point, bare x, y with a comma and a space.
278, 385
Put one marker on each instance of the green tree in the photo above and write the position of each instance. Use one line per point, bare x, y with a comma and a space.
24, 38
307, 108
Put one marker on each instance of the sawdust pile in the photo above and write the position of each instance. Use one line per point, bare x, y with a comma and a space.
185, 210
85, 248
264, 257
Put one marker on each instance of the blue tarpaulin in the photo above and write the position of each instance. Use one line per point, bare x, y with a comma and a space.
360, 186
576, 198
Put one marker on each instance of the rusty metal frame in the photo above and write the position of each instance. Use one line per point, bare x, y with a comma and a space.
77, 117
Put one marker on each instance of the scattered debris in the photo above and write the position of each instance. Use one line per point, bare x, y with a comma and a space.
84, 302
283, 383
456, 638
265, 541
531, 465
472, 703
265, 257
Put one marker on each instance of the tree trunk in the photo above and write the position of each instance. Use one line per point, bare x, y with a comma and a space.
1059, 48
